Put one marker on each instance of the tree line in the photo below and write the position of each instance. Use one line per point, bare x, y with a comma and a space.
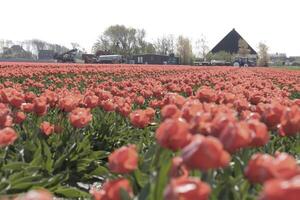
27, 49
127, 41
122, 40
119, 39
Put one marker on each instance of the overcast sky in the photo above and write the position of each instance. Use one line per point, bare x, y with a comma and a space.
275, 22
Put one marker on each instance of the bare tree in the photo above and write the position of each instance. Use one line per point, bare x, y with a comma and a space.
263, 56
184, 50
165, 45
121, 40
75, 45
202, 47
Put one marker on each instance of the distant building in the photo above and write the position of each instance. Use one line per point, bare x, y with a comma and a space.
155, 59
278, 59
16, 52
293, 61
230, 44
226, 52
46, 54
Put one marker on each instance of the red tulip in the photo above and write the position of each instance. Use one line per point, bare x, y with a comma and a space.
278, 189
112, 190
263, 167
170, 111
173, 134
47, 128
290, 122
7, 136
139, 118
40, 194
80, 117
185, 188
178, 169
205, 153
123, 160
19, 117
259, 133
235, 136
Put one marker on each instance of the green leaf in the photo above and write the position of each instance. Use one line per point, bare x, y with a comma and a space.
100, 171
59, 162
48, 157
71, 192
15, 166
56, 180
141, 178
163, 174
16, 176
37, 157
98, 155
26, 179
124, 194
3, 185
144, 193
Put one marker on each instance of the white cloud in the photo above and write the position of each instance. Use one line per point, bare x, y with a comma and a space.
81, 21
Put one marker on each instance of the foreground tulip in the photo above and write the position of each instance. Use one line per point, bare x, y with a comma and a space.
36, 195
40, 106
263, 167
68, 103
278, 189
205, 153
186, 188
7, 137
123, 160
178, 169
259, 133
91, 101
124, 110
290, 122
5, 118
140, 100
206, 94
272, 115
112, 190
27, 107
150, 112
47, 128
173, 134
170, 111
235, 136
80, 117
139, 118
19, 117
108, 105
259, 168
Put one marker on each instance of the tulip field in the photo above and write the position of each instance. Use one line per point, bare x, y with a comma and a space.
143, 132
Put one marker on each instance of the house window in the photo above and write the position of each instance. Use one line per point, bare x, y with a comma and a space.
140, 59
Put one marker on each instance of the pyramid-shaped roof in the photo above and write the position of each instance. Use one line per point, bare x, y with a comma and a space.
230, 43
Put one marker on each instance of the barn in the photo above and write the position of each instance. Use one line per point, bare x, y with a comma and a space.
230, 44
